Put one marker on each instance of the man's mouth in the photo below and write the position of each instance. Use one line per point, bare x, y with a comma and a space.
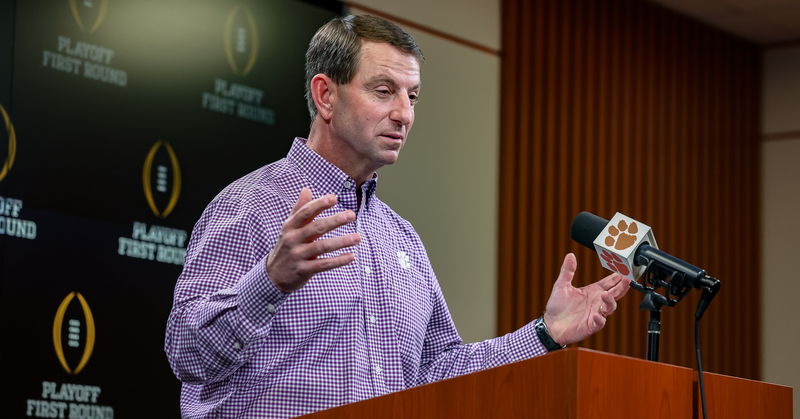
393, 136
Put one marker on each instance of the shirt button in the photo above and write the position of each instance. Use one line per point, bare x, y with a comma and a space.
378, 370
367, 269
237, 345
348, 184
271, 308
373, 319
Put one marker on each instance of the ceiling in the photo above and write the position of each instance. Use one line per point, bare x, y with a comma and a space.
764, 22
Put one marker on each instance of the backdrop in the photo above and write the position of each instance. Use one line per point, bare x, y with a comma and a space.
121, 120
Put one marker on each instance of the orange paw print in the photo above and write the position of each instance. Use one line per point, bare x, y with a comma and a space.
615, 262
618, 236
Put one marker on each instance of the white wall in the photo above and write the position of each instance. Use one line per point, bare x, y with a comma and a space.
446, 180
781, 219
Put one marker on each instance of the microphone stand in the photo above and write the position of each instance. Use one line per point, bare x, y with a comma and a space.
677, 284
657, 276
653, 302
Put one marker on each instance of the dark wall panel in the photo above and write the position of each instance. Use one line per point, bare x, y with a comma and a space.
625, 106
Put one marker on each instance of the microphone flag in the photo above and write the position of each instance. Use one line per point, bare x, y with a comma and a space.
617, 243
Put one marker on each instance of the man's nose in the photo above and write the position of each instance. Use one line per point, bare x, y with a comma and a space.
403, 111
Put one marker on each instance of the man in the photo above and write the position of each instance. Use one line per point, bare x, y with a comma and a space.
291, 303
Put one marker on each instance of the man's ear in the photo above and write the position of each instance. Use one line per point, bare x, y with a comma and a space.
323, 91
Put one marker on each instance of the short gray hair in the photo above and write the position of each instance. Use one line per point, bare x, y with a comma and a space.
334, 49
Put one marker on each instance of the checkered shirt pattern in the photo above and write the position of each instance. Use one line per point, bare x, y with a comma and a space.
243, 348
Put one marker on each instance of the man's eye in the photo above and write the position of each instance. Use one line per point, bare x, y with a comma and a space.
384, 92
413, 99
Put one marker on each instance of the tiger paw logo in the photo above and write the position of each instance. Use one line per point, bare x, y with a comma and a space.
73, 333
618, 236
11, 140
240, 38
403, 259
88, 14
161, 170
614, 262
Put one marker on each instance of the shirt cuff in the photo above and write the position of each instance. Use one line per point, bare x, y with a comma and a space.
259, 299
525, 344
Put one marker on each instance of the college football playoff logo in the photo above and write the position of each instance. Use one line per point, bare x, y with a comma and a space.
12, 144
79, 322
89, 14
162, 165
240, 38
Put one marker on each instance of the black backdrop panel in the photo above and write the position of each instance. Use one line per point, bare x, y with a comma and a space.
6, 51
122, 120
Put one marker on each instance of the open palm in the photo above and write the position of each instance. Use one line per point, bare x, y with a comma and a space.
572, 314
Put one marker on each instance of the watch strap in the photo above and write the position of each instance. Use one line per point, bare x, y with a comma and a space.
544, 335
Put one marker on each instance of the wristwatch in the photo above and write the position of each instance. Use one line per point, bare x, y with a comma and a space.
544, 336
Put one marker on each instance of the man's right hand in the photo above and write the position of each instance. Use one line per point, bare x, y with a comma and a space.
295, 257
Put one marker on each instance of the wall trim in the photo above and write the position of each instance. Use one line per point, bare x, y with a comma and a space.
785, 135
790, 43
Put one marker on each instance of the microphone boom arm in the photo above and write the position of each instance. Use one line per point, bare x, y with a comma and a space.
677, 277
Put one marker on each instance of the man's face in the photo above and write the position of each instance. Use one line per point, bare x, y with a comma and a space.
374, 112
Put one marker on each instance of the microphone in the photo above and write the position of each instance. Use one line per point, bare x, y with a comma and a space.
628, 247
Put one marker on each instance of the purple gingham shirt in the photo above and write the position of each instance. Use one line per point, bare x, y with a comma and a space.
243, 348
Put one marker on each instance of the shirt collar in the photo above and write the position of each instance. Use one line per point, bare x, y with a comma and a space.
326, 178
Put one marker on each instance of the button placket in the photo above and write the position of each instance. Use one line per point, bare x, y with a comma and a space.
373, 328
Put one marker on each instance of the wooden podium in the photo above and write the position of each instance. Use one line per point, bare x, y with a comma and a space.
578, 383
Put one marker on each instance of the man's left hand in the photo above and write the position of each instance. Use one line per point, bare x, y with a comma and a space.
572, 314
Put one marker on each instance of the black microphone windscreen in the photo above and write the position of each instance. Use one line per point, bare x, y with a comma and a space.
586, 227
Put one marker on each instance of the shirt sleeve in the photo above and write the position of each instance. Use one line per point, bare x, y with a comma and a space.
223, 298
445, 356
